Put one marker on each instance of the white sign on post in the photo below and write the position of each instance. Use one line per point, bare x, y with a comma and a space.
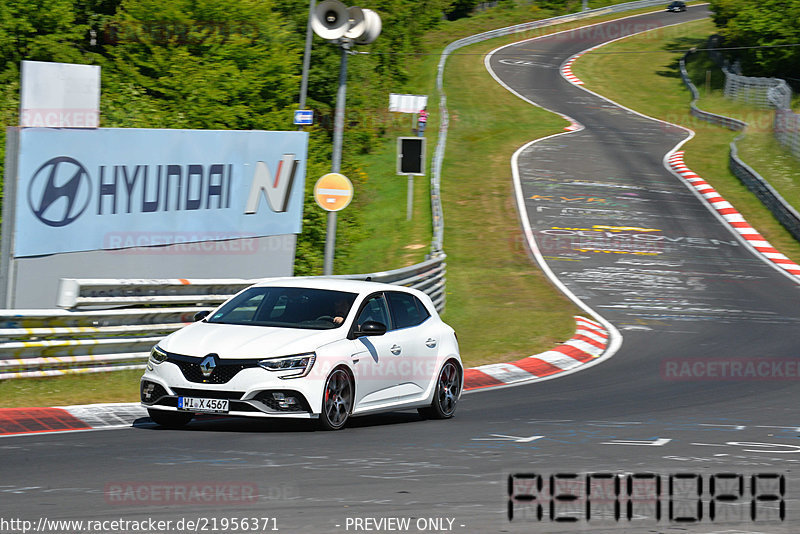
407, 103
59, 95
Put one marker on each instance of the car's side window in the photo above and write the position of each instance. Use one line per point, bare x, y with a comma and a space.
407, 310
374, 309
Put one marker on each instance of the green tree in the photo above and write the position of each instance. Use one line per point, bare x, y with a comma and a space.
207, 63
35, 30
771, 30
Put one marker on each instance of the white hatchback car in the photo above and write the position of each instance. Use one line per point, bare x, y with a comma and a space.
309, 348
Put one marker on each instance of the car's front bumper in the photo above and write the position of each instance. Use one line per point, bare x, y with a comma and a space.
253, 392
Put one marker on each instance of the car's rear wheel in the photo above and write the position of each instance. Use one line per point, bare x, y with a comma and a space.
337, 400
445, 398
170, 419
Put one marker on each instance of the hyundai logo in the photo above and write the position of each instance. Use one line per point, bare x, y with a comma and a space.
59, 191
208, 365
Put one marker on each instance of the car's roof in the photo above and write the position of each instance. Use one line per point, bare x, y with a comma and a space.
335, 284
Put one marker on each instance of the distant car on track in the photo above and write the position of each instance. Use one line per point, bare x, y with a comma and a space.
675, 7
307, 348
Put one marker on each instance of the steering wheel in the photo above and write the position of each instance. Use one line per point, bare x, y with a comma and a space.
325, 318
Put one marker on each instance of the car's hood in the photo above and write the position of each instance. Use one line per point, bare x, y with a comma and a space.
237, 341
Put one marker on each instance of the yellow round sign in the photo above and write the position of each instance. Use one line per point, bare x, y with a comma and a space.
333, 192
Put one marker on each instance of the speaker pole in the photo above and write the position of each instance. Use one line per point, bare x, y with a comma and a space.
306, 57
336, 165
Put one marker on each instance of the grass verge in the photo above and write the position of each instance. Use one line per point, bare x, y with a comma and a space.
116, 386
660, 93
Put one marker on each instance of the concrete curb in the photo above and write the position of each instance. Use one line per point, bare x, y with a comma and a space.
589, 342
731, 216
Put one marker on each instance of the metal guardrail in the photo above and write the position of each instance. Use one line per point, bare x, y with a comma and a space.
782, 210
769, 196
428, 276
36, 343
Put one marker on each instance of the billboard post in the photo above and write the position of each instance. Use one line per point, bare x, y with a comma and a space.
411, 162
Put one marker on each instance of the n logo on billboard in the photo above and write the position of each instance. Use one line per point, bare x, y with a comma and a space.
277, 189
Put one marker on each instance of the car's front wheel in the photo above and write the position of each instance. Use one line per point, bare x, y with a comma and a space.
337, 400
170, 419
445, 398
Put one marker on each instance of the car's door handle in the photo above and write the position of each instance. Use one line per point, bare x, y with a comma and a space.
430, 342
396, 349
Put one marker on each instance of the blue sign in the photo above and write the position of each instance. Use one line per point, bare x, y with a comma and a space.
304, 117
109, 188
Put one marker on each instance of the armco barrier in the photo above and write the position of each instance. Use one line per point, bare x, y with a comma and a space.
36, 343
428, 276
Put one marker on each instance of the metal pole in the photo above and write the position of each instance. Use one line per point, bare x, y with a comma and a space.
338, 133
585, 5
306, 57
410, 203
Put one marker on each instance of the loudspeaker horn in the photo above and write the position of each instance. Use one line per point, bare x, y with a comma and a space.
372, 27
330, 20
357, 25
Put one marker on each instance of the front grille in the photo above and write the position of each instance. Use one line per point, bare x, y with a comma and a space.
224, 371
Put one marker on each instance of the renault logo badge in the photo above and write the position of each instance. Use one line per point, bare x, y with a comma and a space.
208, 365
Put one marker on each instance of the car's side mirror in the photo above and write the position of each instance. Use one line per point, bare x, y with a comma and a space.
370, 328
199, 316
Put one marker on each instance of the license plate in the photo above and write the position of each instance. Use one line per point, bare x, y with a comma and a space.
203, 405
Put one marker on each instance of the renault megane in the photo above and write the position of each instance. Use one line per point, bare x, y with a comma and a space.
309, 348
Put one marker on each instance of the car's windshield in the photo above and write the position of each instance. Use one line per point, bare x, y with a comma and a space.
287, 307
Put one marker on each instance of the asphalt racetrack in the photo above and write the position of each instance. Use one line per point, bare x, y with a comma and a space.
663, 436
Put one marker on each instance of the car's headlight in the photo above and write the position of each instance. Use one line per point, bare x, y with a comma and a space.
300, 363
157, 355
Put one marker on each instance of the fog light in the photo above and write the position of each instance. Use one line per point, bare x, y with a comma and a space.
283, 400
147, 391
